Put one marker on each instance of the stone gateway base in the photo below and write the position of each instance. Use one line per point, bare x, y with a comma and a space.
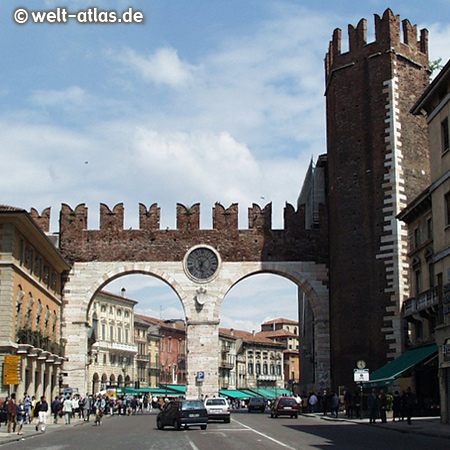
201, 300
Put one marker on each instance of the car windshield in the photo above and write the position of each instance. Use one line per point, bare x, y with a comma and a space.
192, 404
256, 400
215, 401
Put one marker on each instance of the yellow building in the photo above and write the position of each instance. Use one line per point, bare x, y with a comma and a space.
31, 270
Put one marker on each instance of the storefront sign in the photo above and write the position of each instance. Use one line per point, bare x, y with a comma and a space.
12, 370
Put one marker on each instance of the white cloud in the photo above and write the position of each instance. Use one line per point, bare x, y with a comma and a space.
73, 95
162, 67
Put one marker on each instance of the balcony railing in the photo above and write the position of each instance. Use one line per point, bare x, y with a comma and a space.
142, 358
38, 340
423, 301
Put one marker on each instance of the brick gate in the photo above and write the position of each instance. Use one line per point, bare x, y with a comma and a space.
200, 265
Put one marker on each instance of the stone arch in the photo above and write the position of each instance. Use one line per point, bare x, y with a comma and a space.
112, 379
202, 314
312, 280
121, 270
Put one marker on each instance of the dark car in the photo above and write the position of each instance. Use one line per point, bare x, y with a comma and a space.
183, 413
256, 404
285, 406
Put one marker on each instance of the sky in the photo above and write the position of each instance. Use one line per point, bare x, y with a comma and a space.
202, 101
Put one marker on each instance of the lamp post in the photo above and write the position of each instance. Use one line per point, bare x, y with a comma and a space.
124, 370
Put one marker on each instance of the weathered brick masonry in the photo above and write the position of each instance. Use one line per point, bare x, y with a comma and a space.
378, 161
149, 243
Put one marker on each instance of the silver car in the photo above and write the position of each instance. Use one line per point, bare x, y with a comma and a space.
218, 409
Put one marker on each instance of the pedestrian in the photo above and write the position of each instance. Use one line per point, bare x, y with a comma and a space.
87, 407
28, 405
348, 402
11, 408
373, 406
42, 414
410, 404
357, 405
20, 416
396, 406
312, 402
383, 406
68, 409
335, 403
56, 408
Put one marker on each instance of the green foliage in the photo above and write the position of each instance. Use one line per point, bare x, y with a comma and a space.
436, 65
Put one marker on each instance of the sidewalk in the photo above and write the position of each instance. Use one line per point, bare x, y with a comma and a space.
425, 426
30, 430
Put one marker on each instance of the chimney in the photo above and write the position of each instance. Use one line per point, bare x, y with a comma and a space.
123, 292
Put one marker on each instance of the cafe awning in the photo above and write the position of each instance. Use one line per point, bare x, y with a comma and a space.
232, 393
386, 375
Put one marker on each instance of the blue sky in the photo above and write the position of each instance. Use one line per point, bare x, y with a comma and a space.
205, 101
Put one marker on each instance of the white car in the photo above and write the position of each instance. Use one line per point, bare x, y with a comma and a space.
218, 409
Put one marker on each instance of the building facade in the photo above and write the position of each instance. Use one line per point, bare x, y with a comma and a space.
378, 161
112, 353
31, 275
435, 105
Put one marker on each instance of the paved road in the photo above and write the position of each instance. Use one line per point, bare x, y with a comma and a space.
245, 432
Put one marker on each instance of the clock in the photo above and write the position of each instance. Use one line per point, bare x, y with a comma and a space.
361, 364
201, 263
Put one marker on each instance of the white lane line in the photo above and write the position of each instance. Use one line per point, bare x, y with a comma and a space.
265, 435
194, 447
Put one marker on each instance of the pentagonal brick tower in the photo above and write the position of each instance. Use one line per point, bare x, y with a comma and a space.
377, 163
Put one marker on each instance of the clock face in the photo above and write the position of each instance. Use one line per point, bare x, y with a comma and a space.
202, 263
361, 364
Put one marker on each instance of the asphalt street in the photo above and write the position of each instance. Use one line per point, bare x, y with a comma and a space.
245, 432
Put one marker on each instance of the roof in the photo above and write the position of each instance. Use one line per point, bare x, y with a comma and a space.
277, 334
253, 338
117, 297
280, 321
435, 89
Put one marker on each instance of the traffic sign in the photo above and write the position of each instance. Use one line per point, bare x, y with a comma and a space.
12, 370
360, 375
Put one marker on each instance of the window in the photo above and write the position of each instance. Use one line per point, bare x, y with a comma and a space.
265, 369
258, 368
250, 368
111, 333
272, 369
119, 334
279, 369
170, 344
126, 336
445, 135
447, 209
416, 242
103, 331
429, 229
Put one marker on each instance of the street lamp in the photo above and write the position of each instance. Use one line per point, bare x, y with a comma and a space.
124, 370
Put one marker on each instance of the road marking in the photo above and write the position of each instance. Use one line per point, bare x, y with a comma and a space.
194, 447
265, 435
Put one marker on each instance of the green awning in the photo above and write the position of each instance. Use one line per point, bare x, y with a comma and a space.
387, 374
271, 393
249, 393
174, 387
232, 393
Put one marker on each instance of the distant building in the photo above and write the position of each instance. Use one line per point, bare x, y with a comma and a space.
112, 359
227, 359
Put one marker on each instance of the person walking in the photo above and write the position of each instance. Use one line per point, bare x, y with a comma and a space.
21, 414
312, 402
373, 406
11, 408
42, 414
383, 406
410, 404
68, 409
56, 408
335, 403
87, 407
396, 406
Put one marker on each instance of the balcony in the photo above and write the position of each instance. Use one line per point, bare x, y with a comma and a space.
226, 365
425, 300
142, 358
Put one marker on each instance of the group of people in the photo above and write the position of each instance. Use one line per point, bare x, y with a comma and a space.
24, 411
403, 405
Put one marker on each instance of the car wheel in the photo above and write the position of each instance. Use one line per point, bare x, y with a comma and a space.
159, 424
296, 416
176, 424
227, 420
203, 427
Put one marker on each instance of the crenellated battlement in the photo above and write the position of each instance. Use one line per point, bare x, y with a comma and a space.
43, 219
391, 35
150, 243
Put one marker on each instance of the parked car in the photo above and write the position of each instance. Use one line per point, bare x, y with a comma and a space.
285, 406
183, 413
218, 409
256, 404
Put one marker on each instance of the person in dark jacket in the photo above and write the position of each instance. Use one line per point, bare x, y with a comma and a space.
11, 408
396, 406
56, 408
410, 404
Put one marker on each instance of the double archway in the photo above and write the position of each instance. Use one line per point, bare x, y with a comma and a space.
202, 317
